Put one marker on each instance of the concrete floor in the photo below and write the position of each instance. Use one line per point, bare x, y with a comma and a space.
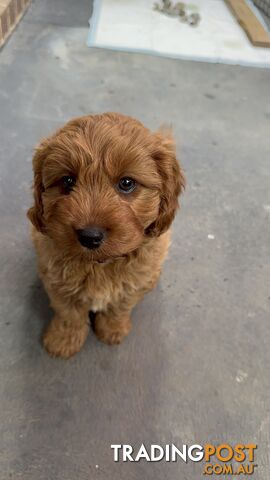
196, 367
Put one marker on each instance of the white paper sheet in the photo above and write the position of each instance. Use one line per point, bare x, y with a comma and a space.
133, 25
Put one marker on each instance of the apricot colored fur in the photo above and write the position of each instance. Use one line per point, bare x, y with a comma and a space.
98, 150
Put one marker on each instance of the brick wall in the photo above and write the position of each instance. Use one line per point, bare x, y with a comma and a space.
264, 5
11, 12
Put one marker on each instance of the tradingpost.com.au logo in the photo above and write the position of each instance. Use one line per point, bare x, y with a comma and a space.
223, 459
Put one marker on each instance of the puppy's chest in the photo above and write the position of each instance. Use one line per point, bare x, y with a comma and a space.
93, 286
99, 293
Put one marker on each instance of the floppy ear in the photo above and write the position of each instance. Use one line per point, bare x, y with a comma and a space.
35, 213
173, 183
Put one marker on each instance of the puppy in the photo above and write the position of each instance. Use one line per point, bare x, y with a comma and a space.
105, 193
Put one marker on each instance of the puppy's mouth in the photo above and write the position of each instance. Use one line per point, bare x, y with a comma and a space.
102, 257
110, 259
100, 254
97, 246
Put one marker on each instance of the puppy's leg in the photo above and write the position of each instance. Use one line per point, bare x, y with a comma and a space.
112, 328
113, 325
67, 331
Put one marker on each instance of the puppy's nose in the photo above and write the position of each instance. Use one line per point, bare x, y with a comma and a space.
91, 237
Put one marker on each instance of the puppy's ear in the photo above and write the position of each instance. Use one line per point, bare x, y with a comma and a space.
35, 213
173, 182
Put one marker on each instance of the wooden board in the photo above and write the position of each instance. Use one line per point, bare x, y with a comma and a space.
250, 23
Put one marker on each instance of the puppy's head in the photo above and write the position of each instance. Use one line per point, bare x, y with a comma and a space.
102, 184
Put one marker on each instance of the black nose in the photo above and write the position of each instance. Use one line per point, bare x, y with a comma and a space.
91, 237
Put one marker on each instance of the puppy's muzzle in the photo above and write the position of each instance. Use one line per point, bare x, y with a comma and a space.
91, 237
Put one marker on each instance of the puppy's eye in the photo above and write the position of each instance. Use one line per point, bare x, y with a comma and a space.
68, 183
126, 185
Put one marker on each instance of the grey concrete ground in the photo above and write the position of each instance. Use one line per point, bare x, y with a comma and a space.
195, 368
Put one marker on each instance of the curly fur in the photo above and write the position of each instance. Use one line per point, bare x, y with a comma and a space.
98, 150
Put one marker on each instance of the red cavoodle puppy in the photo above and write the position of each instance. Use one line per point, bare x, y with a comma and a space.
105, 193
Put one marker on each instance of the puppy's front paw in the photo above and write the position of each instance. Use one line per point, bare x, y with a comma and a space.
111, 331
64, 341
